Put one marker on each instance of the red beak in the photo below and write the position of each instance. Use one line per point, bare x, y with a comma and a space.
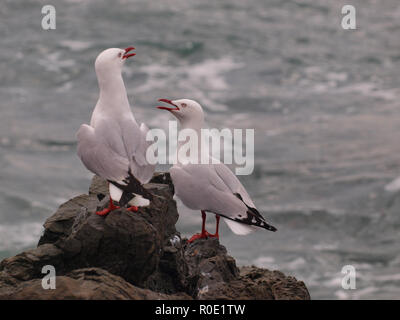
127, 54
168, 108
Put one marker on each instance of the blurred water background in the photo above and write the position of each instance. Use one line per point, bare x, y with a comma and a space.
324, 103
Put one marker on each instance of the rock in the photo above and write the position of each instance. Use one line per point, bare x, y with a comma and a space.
122, 243
28, 265
216, 277
88, 284
138, 255
209, 266
171, 275
258, 284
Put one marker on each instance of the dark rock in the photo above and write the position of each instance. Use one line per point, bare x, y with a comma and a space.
98, 186
88, 284
138, 255
171, 275
59, 225
163, 178
215, 276
28, 265
209, 265
257, 284
124, 243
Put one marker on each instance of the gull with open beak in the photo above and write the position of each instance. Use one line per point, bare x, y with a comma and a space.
114, 146
211, 186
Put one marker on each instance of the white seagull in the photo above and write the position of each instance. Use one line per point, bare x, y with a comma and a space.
113, 146
210, 187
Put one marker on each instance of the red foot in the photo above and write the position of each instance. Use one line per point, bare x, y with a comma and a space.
216, 235
106, 211
197, 236
204, 235
133, 209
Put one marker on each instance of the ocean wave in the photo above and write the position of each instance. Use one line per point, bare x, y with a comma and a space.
28, 144
76, 45
206, 81
18, 237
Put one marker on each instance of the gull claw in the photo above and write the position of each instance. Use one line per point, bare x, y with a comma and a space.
106, 211
204, 235
133, 209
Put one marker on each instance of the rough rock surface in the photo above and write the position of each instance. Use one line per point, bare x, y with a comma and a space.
129, 255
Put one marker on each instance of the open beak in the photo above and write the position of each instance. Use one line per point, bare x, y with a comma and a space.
168, 108
127, 54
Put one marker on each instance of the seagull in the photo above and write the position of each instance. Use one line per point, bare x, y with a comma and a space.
113, 146
210, 187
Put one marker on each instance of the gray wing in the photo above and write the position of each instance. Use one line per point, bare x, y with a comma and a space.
114, 147
216, 189
233, 183
252, 217
136, 146
99, 155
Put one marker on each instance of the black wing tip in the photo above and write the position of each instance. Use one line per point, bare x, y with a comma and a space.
138, 186
268, 227
254, 212
133, 186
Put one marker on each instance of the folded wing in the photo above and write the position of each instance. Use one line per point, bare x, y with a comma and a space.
116, 151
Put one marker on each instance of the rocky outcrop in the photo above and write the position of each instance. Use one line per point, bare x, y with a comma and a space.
129, 255
88, 284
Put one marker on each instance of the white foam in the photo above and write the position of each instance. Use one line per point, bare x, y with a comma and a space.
371, 90
334, 282
75, 45
393, 186
205, 80
265, 262
15, 237
389, 277
53, 62
325, 246
296, 263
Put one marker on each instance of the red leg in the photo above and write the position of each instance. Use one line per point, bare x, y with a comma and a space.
110, 208
204, 234
216, 235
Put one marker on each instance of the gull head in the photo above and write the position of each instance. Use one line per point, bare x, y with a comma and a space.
112, 60
185, 110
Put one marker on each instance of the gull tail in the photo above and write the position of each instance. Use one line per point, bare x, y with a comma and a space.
239, 228
132, 192
253, 217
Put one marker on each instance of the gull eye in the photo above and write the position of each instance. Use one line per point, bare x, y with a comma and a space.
184, 105
119, 55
